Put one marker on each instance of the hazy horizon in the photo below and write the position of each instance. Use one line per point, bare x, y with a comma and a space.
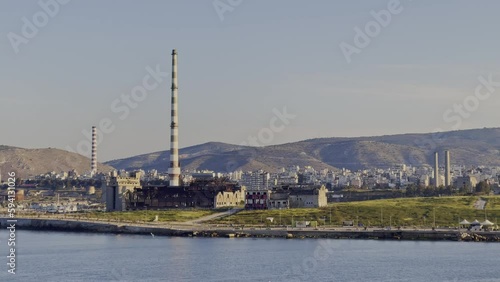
293, 141
237, 68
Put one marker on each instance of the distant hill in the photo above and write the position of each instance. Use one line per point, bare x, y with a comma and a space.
468, 147
31, 162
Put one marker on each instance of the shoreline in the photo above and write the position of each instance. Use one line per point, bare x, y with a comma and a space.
186, 230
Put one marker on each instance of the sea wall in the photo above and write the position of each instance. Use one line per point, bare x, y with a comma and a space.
86, 226
199, 231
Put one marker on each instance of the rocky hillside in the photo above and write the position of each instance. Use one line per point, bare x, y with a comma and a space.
467, 147
31, 162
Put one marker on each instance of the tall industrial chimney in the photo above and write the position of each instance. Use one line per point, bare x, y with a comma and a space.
93, 160
174, 170
436, 169
447, 172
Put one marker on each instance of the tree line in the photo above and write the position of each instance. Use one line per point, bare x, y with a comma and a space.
481, 188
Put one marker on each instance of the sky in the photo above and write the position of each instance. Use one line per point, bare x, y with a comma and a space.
254, 72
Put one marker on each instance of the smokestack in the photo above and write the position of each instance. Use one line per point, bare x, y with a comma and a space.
93, 160
447, 173
436, 169
174, 170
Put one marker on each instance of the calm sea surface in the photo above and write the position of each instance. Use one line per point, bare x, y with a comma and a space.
57, 256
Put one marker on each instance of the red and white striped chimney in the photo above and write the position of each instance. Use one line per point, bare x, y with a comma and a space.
174, 170
93, 160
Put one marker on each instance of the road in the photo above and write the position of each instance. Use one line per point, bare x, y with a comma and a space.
212, 216
480, 204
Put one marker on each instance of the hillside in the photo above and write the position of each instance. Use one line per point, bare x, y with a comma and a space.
468, 147
395, 212
31, 162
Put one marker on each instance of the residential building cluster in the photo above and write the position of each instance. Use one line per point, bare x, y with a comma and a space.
392, 177
287, 187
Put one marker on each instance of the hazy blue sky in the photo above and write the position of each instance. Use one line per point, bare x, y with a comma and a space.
234, 72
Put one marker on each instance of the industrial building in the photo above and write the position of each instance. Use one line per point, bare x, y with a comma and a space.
289, 196
310, 197
126, 193
257, 199
199, 194
230, 198
118, 190
447, 170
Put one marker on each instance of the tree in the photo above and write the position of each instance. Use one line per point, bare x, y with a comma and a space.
483, 187
411, 191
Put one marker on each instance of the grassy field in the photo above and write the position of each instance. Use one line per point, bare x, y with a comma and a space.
147, 216
407, 212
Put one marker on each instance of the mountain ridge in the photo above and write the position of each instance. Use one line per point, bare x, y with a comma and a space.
31, 162
469, 147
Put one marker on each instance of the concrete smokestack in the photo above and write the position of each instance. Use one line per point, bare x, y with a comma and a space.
93, 160
174, 170
447, 172
436, 169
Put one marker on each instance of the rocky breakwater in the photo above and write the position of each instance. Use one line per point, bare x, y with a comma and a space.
474, 237
261, 233
426, 235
